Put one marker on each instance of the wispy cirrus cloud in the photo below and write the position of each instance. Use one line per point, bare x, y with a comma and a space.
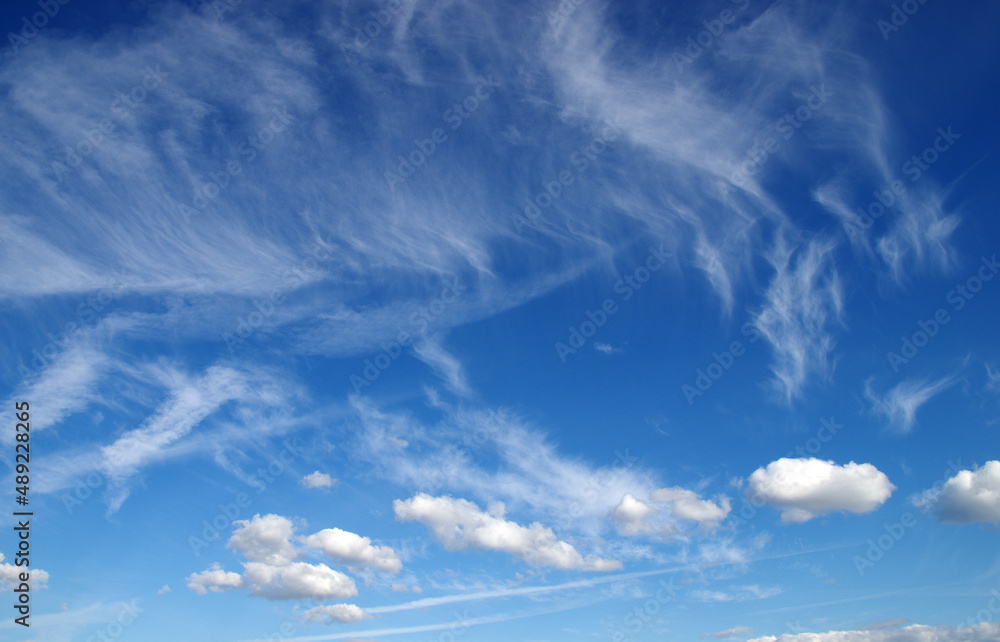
900, 404
802, 304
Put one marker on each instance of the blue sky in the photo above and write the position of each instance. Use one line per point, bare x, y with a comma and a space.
464, 321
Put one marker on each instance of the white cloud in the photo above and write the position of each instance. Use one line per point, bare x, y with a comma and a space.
399, 588
737, 594
531, 475
901, 403
970, 496
802, 300
265, 539
607, 348
806, 488
318, 480
69, 384
686, 504
984, 632
348, 548
633, 516
297, 581
444, 364
342, 613
164, 590
460, 524
736, 631
272, 572
214, 579
10, 576
190, 402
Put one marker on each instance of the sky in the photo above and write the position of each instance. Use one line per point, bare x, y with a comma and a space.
437, 320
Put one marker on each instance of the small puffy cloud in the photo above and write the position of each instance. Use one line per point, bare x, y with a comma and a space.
970, 496
318, 480
985, 632
269, 544
343, 613
399, 588
164, 590
417, 589
214, 579
685, 504
631, 516
297, 581
736, 631
806, 488
460, 524
607, 348
347, 548
9, 577
265, 539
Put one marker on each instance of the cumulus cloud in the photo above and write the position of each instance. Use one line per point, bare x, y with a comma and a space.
633, 516
984, 632
970, 496
351, 549
318, 480
214, 579
297, 581
9, 576
460, 524
265, 539
342, 613
806, 488
686, 504
271, 571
